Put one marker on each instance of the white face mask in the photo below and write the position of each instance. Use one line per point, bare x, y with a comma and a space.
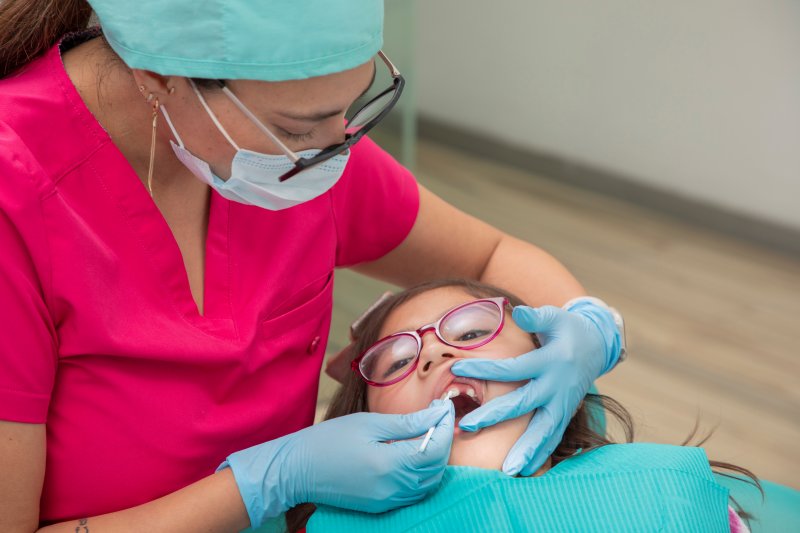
254, 176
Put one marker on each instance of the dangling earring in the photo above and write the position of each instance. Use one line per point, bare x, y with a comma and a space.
152, 144
156, 105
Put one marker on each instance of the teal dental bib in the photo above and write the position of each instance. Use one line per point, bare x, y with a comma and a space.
620, 487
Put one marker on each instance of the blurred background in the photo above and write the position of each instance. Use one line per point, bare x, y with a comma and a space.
654, 149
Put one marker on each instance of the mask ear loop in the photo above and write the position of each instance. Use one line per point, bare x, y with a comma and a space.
212, 115
254, 119
171, 127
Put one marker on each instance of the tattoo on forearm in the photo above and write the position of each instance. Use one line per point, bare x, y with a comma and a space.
83, 526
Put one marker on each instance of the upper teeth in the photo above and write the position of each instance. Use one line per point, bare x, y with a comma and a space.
452, 393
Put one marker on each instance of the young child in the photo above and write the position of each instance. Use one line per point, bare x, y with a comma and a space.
401, 357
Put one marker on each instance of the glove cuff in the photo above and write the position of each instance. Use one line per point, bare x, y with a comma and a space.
608, 321
257, 472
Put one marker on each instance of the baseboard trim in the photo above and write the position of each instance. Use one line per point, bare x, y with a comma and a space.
766, 233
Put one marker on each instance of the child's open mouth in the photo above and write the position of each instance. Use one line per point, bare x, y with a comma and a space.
464, 404
466, 395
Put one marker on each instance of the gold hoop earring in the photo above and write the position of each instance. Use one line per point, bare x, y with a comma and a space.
152, 147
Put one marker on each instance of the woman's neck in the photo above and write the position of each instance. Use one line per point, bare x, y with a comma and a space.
109, 90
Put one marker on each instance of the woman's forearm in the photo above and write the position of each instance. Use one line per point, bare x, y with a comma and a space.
211, 504
530, 272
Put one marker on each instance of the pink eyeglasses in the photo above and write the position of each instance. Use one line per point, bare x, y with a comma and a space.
468, 326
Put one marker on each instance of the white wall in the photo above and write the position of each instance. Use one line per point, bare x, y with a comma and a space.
697, 97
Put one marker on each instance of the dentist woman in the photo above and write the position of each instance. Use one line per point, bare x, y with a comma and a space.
177, 187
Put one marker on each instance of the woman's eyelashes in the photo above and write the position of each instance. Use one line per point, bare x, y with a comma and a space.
296, 137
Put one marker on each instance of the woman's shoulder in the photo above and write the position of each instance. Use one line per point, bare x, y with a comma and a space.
28, 97
22, 176
46, 129
31, 87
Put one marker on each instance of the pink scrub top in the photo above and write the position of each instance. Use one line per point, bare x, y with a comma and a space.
100, 338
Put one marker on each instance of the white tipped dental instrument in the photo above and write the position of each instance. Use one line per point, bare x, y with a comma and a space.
446, 396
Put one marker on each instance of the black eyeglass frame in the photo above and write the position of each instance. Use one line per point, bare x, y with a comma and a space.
303, 163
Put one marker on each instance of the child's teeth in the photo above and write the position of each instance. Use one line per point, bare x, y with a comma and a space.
471, 393
452, 393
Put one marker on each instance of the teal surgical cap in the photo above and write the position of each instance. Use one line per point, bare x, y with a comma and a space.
270, 40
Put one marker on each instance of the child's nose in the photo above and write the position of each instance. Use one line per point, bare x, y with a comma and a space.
434, 353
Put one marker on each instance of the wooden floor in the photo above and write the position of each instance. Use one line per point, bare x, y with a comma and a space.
711, 320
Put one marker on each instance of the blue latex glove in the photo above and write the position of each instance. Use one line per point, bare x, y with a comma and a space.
346, 462
579, 345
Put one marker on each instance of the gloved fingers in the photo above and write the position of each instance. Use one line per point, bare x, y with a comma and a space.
526, 366
536, 319
511, 405
409, 426
381, 505
437, 451
416, 484
545, 451
406, 500
431, 481
438, 402
531, 444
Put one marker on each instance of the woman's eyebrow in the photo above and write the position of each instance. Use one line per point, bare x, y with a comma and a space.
322, 115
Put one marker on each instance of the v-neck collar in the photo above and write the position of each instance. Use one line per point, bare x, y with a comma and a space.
160, 249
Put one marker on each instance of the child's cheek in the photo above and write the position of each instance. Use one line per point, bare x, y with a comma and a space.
499, 388
501, 349
393, 400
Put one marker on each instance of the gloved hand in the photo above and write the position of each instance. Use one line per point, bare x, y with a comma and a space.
579, 345
346, 462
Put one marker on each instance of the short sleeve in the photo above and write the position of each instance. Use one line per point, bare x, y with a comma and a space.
375, 204
27, 334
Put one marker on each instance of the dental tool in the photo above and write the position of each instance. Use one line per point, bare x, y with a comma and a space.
446, 396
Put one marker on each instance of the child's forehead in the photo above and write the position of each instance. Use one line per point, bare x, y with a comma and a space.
424, 308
